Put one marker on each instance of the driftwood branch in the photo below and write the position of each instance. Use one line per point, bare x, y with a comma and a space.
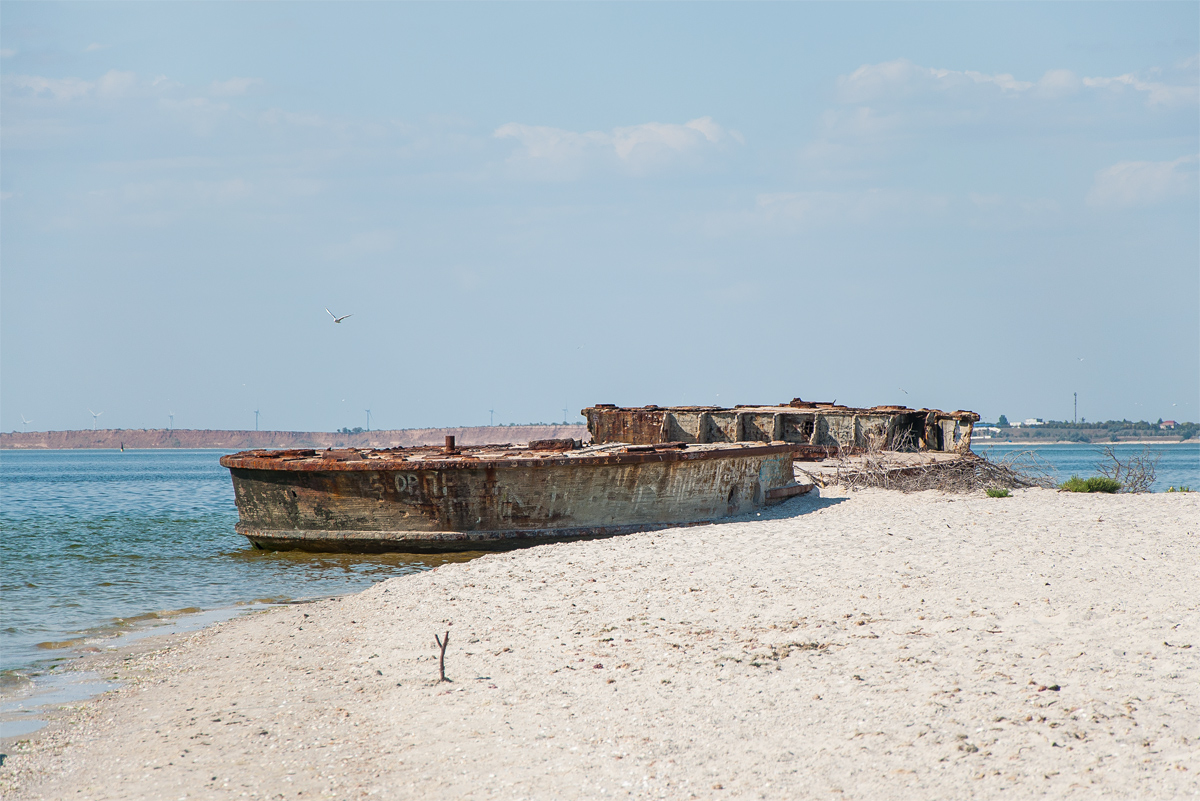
881, 466
442, 643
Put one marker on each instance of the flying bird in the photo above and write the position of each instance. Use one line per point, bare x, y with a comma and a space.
337, 319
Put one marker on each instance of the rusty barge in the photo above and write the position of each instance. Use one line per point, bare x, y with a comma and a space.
816, 429
429, 499
645, 468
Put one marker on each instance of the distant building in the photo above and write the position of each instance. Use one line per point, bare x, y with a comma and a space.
1033, 421
1167, 424
985, 432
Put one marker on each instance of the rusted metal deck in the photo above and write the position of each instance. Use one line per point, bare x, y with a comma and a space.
497, 496
816, 429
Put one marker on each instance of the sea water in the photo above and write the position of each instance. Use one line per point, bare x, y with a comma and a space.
100, 543
1178, 463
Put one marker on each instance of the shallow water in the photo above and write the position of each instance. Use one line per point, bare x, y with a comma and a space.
97, 543
1178, 463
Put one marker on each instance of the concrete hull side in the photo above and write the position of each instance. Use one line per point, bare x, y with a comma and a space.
894, 430
461, 509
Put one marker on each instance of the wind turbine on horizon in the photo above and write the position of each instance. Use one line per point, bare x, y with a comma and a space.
171, 424
368, 411
24, 423
256, 419
95, 415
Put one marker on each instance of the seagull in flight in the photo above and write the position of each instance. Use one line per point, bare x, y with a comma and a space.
337, 319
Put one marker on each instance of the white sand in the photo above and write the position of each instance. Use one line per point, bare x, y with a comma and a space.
875, 646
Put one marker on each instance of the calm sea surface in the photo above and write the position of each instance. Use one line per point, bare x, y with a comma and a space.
1178, 463
96, 543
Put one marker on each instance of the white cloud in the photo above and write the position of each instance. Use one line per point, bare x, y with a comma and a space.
677, 138
639, 147
56, 88
93, 47
113, 83
1157, 94
1143, 183
233, 86
902, 78
1057, 83
871, 81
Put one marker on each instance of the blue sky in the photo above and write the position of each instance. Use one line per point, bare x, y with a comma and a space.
527, 207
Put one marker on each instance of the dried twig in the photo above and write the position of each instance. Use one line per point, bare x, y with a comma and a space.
1135, 474
442, 643
886, 469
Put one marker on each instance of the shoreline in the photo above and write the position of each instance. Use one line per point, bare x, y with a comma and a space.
232, 441
21, 706
238, 440
867, 645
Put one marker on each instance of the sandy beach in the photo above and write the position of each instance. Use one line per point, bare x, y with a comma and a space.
842, 645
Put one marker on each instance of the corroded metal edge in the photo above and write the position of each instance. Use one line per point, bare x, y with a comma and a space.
356, 541
796, 405
465, 460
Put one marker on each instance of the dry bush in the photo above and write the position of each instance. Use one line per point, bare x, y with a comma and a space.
886, 469
1134, 474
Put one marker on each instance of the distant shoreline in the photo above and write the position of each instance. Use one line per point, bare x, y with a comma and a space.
234, 440
976, 441
161, 438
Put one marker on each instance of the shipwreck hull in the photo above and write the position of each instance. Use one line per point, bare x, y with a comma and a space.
817, 429
475, 500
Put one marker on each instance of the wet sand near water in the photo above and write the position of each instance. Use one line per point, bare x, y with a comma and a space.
871, 645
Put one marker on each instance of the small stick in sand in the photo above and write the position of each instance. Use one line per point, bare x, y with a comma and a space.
442, 643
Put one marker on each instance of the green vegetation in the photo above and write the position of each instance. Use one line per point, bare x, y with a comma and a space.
1074, 484
1180, 488
998, 493
1108, 431
1093, 484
